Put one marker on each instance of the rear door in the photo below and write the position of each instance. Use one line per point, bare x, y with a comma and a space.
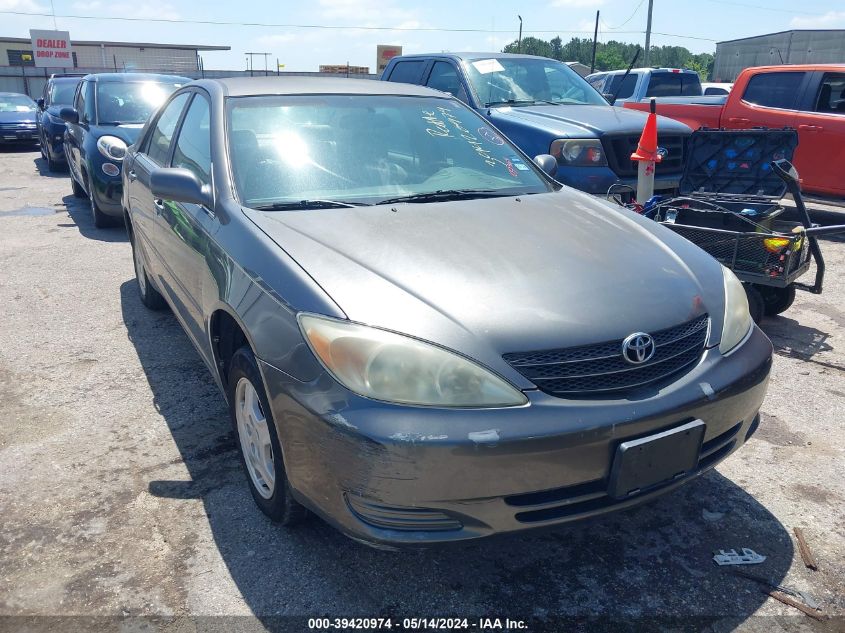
769, 99
820, 157
408, 71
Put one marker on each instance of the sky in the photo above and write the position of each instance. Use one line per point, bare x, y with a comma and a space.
276, 27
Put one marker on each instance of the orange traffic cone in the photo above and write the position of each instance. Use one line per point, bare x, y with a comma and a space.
647, 147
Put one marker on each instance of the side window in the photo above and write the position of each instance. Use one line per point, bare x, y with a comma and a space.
193, 145
831, 94
79, 106
597, 82
409, 72
162, 133
89, 112
774, 90
444, 77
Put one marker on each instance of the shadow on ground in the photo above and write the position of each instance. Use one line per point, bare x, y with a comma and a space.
656, 559
41, 165
79, 210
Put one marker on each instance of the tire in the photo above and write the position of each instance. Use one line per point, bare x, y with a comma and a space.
258, 442
755, 302
52, 165
150, 297
777, 300
101, 220
78, 191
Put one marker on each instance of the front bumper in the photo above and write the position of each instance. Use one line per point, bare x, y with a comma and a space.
597, 180
18, 135
108, 190
395, 475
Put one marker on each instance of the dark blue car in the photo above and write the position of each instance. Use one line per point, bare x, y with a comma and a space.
107, 114
58, 92
545, 107
17, 119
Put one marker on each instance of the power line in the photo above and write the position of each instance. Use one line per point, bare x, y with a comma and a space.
327, 26
631, 17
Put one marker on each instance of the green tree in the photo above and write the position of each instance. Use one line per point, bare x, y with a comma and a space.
557, 48
530, 46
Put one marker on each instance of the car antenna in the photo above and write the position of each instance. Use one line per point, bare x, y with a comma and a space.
627, 72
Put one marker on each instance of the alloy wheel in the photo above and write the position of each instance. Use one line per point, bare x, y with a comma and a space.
255, 440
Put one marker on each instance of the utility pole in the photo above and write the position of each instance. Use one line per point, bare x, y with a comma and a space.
519, 41
595, 43
648, 34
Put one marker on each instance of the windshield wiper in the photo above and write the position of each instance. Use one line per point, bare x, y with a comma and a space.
442, 195
511, 102
310, 204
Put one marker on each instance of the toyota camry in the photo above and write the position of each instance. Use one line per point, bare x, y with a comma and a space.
421, 336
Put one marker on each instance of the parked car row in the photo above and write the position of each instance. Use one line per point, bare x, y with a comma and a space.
422, 336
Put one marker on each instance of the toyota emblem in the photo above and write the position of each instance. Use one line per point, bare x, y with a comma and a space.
638, 348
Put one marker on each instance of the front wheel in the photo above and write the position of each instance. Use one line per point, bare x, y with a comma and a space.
755, 302
777, 300
78, 191
101, 220
261, 453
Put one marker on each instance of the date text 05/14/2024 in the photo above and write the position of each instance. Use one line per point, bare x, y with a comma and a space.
416, 624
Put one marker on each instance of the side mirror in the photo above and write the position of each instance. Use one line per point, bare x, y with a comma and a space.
69, 115
40, 103
547, 163
180, 185
611, 98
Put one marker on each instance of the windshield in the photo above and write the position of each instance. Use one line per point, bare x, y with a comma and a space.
367, 149
16, 103
526, 81
62, 92
130, 102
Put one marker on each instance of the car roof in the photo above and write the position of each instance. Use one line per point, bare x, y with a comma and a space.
472, 56
252, 86
67, 80
14, 94
133, 77
788, 67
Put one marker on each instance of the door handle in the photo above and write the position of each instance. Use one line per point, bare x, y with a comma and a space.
159, 205
811, 128
738, 119
132, 175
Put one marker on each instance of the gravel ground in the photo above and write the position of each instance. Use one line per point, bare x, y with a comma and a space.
121, 495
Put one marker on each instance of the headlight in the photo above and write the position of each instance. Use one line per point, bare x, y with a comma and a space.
737, 318
579, 152
386, 366
111, 147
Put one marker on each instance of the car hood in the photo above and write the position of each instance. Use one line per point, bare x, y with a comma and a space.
128, 133
17, 117
582, 121
493, 276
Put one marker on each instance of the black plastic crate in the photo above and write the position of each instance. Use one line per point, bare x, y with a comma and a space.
736, 162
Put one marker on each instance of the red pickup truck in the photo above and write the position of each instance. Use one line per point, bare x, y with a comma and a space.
810, 98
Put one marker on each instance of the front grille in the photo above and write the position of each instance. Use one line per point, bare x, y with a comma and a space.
591, 497
17, 126
601, 368
620, 148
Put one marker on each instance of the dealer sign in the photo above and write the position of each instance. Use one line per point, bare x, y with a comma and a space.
51, 49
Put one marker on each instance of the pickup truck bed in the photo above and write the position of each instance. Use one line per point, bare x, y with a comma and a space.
809, 98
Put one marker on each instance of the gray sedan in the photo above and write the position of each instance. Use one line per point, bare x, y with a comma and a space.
421, 336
